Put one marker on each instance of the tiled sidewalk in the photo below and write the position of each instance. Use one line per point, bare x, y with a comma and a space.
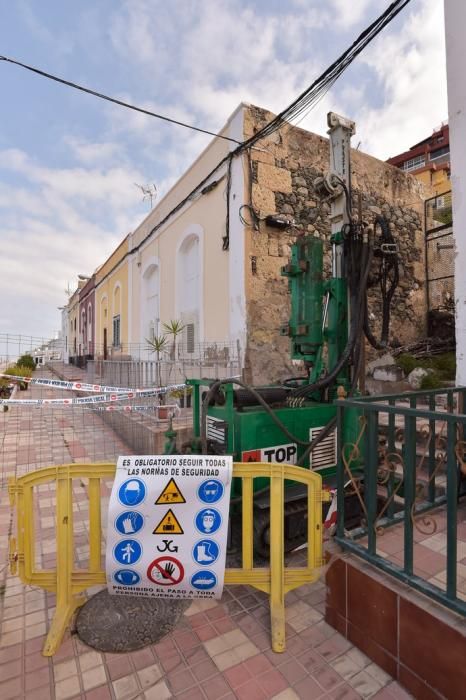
219, 650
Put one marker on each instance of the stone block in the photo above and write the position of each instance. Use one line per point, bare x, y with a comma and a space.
385, 361
389, 373
262, 156
263, 199
273, 178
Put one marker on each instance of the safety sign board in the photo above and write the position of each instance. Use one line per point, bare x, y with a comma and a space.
203, 580
166, 571
170, 494
167, 526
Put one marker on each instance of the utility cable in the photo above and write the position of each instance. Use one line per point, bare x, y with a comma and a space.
213, 389
307, 99
388, 278
312, 93
101, 96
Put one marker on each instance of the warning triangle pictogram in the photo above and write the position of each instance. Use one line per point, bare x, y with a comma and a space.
170, 494
169, 525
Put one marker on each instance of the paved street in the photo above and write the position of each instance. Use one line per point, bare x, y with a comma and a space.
218, 650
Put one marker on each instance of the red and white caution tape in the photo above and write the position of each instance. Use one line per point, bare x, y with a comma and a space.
84, 386
100, 398
173, 409
332, 514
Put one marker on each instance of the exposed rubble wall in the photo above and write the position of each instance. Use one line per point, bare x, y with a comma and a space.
283, 170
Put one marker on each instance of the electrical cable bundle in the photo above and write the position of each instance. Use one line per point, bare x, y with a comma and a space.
319, 87
387, 277
299, 107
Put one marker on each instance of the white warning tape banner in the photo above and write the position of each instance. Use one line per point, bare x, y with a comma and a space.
102, 398
76, 386
172, 408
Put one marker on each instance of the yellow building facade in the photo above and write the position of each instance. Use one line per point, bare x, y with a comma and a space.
111, 305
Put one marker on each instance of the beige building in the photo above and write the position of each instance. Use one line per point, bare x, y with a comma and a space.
71, 351
205, 255
178, 268
111, 305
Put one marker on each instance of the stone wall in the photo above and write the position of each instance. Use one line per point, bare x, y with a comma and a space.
284, 168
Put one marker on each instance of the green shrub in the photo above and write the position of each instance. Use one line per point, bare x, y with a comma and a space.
407, 362
12, 371
23, 371
27, 361
431, 381
445, 364
19, 371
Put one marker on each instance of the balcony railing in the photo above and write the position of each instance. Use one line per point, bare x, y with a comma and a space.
407, 469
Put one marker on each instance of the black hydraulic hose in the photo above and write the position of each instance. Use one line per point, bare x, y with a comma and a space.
289, 381
357, 317
327, 429
211, 393
389, 264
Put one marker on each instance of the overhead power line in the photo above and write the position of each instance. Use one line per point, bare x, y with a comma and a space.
304, 102
114, 100
309, 98
333, 72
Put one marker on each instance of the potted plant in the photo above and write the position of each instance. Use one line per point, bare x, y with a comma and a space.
180, 394
19, 371
173, 328
158, 344
5, 391
27, 361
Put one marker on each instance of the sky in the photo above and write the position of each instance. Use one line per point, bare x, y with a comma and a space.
70, 163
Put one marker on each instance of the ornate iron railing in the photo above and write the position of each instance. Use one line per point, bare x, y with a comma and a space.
406, 469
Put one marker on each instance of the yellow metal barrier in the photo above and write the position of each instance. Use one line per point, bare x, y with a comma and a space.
69, 583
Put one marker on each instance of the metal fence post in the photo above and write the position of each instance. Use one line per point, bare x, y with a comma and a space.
277, 557
370, 477
409, 458
452, 496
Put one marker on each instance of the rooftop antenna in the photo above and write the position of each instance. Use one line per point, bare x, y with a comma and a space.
148, 192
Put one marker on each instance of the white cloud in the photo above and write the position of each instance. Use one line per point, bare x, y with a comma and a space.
63, 212
93, 153
410, 69
61, 222
348, 13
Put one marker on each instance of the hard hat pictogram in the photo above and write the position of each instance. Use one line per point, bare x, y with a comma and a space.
132, 492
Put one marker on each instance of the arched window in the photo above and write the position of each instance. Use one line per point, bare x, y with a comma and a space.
189, 291
102, 333
90, 337
150, 311
116, 342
